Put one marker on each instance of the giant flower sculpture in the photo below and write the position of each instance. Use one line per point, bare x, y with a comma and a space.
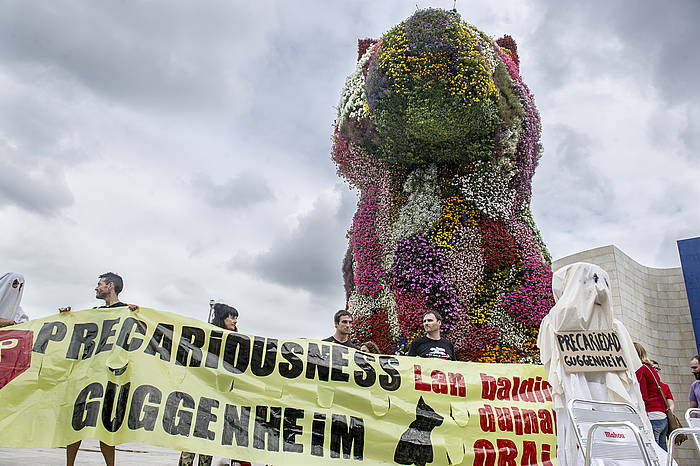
439, 133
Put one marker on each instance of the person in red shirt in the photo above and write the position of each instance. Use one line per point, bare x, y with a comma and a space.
654, 394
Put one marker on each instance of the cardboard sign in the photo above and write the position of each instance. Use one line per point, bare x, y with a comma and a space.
167, 380
591, 351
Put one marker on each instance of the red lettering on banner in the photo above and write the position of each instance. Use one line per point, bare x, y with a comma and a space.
529, 453
531, 390
504, 385
439, 382
486, 419
484, 453
458, 386
488, 387
15, 354
517, 420
525, 390
418, 379
546, 458
506, 453
505, 421
614, 435
547, 390
546, 423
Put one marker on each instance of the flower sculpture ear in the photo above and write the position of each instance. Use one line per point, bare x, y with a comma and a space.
508, 45
363, 45
439, 134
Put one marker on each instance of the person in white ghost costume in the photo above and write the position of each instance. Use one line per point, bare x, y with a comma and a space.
11, 289
583, 302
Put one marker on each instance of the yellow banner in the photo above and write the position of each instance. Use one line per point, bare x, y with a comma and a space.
163, 379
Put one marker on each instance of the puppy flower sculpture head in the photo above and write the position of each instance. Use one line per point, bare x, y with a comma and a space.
439, 133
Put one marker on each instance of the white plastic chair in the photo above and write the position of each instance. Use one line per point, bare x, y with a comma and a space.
692, 417
611, 431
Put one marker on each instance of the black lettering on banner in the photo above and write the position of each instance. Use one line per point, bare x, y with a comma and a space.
564, 341
295, 366
50, 331
616, 342
85, 412
191, 343
178, 421
264, 349
107, 332
344, 437
318, 433
235, 423
83, 336
161, 342
205, 417
138, 405
112, 424
236, 353
214, 349
367, 376
291, 429
130, 324
318, 361
391, 381
339, 361
267, 428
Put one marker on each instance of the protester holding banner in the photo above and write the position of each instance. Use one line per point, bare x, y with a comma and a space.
343, 329
432, 345
226, 317
108, 288
654, 396
11, 289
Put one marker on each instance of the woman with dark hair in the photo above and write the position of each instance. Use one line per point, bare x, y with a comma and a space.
225, 316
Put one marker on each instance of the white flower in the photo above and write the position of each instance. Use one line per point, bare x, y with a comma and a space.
422, 210
352, 99
487, 186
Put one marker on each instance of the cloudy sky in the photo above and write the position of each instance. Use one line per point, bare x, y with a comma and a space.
185, 145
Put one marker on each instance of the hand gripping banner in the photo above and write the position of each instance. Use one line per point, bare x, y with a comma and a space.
163, 379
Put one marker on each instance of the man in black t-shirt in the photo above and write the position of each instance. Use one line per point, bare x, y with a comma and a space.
343, 329
432, 345
108, 288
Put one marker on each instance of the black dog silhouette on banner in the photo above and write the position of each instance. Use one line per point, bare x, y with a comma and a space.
415, 446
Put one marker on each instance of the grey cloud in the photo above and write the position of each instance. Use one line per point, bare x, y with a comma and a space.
141, 53
667, 252
310, 256
239, 192
620, 38
43, 191
690, 134
573, 187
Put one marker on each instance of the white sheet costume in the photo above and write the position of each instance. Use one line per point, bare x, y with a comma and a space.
583, 302
10, 298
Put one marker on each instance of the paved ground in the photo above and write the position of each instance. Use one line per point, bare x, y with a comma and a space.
128, 454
